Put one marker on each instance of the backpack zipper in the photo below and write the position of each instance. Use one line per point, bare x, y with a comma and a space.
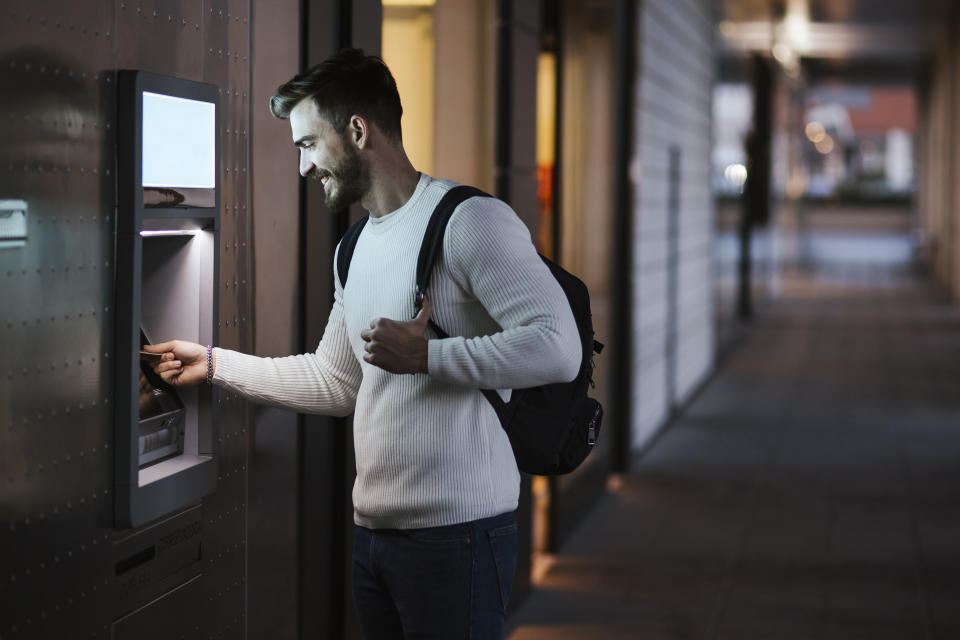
592, 427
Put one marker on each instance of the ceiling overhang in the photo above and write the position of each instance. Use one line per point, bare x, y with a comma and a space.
869, 41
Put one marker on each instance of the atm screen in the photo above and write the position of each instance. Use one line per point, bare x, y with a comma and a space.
179, 152
161, 416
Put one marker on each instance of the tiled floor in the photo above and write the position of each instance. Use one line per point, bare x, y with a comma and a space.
811, 490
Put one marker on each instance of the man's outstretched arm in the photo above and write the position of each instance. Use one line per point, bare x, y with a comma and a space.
325, 381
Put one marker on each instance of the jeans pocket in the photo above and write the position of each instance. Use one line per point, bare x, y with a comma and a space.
503, 547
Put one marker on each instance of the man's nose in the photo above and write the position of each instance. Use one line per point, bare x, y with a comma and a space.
306, 165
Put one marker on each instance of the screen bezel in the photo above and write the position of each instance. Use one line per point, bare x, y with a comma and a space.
131, 87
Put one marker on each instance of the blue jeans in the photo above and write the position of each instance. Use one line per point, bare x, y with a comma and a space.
446, 583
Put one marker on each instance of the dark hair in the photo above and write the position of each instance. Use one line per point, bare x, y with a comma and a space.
348, 83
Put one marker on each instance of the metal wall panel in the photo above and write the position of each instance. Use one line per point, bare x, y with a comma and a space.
56, 489
273, 472
226, 55
57, 123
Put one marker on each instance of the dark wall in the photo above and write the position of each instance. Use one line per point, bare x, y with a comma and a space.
58, 63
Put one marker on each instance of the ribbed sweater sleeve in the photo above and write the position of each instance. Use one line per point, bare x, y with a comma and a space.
325, 381
488, 252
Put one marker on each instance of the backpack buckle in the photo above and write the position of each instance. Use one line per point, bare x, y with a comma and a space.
417, 300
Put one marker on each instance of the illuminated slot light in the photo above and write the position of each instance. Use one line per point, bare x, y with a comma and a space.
170, 232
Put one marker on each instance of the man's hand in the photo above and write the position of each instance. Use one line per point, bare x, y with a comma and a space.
183, 363
398, 347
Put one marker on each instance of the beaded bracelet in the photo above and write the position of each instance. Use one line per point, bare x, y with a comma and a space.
209, 364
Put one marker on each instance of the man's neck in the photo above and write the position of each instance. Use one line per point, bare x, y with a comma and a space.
392, 184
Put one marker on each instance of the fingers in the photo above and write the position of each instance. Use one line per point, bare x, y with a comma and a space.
160, 348
168, 365
425, 310
169, 370
377, 324
380, 323
187, 352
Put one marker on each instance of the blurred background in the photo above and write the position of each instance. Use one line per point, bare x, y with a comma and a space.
761, 196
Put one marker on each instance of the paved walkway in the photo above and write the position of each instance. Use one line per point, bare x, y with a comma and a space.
811, 491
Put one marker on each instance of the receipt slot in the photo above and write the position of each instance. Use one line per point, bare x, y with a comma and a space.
168, 225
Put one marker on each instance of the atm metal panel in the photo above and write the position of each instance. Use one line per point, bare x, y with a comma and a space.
57, 121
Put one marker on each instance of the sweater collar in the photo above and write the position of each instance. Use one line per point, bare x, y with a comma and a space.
387, 220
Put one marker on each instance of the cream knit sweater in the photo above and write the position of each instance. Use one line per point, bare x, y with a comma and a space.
430, 450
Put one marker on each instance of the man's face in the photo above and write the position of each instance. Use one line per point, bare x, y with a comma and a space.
328, 156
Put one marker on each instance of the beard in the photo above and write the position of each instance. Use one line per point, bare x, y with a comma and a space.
348, 180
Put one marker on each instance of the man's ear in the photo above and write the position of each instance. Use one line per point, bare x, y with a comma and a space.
359, 131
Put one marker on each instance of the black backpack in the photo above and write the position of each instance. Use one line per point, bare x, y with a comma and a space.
552, 428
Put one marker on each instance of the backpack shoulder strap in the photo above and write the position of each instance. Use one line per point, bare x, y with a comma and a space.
347, 244
432, 243
429, 252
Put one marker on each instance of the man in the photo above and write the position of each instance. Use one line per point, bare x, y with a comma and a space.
435, 539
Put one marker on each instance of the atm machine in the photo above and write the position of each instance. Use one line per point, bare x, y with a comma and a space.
168, 224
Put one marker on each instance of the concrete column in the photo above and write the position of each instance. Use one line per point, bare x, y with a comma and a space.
515, 174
